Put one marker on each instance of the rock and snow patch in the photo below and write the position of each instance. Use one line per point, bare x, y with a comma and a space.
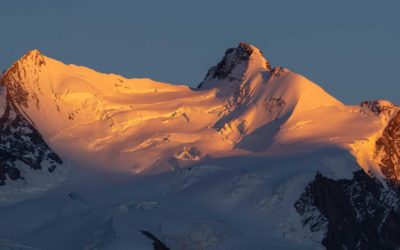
189, 153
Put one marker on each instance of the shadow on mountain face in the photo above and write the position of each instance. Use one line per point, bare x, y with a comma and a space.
262, 138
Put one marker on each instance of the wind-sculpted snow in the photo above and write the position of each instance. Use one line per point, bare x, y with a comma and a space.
231, 164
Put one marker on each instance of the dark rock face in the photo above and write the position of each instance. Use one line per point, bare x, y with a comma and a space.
387, 148
359, 213
21, 145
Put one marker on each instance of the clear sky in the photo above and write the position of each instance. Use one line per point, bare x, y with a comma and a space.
351, 48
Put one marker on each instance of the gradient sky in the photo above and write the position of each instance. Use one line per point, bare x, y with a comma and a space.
350, 48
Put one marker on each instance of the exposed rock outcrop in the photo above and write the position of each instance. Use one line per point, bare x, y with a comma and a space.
21, 145
359, 213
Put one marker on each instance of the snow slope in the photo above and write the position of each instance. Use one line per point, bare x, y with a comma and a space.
234, 203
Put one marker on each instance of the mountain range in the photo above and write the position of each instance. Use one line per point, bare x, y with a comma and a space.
256, 157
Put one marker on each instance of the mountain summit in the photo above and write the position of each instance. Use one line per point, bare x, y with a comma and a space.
234, 65
250, 140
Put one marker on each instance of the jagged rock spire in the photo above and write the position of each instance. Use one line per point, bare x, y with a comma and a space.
234, 58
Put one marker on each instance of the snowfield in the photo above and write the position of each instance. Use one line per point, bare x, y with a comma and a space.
231, 203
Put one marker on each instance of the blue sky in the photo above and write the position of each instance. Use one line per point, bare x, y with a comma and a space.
350, 48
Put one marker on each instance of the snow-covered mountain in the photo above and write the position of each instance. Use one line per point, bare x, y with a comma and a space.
256, 157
